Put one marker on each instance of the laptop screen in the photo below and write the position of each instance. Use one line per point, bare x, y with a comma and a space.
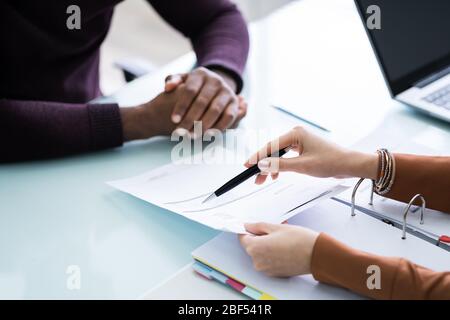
413, 41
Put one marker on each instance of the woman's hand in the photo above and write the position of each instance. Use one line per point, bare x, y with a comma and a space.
316, 157
279, 250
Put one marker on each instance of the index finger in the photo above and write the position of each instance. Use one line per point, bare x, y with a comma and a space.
173, 81
281, 142
191, 88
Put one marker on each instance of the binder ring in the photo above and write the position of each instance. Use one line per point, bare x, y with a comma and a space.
422, 209
371, 193
354, 194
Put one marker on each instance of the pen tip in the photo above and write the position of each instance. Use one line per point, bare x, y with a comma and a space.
210, 197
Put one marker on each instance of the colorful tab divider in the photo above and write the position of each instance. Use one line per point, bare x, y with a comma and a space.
211, 274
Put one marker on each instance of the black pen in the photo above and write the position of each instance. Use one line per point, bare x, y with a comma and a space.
250, 172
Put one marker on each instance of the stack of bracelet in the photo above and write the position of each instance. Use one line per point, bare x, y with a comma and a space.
387, 172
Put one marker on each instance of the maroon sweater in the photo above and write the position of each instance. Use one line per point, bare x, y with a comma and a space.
49, 73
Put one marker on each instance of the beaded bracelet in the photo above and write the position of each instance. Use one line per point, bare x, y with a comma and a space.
386, 176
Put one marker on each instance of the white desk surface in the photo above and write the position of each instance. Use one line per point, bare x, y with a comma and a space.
53, 214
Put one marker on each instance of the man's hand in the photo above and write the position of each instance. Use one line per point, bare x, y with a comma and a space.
279, 250
206, 96
150, 119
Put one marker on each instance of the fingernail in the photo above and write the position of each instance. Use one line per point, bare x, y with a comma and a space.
176, 118
263, 164
175, 79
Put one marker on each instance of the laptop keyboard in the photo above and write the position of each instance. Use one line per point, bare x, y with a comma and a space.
440, 98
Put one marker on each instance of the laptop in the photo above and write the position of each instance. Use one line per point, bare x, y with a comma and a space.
411, 39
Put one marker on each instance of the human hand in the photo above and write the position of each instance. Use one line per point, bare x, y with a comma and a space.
279, 250
207, 96
150, 119
316, 157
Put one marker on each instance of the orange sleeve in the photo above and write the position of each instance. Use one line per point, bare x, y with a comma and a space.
337, 264
429, 176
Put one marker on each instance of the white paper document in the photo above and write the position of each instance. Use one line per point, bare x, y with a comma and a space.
181, 188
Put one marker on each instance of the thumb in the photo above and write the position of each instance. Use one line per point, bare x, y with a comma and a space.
173, 81
260, 228
275, 165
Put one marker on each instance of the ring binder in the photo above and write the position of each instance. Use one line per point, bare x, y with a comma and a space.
422, 209
371, 193
354, 194
407, 208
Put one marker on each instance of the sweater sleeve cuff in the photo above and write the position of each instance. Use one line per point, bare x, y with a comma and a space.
324, 251
337, 264
229, 69
106, 126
